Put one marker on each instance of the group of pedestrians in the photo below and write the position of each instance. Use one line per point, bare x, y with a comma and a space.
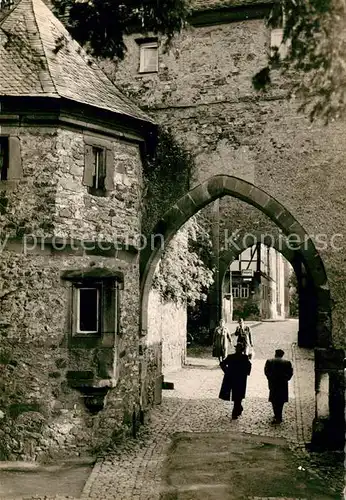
224, 342
237, 367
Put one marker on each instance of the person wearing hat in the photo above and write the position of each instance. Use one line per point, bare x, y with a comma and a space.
278, 372
236, 368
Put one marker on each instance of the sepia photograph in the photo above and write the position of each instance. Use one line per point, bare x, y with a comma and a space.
172, 249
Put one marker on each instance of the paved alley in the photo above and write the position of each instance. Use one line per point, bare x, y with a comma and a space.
136, 470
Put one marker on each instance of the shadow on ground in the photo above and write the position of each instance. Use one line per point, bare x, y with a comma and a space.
226, 466
66, 479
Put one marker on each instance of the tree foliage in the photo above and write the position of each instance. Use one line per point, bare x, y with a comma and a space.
100, 25
184, 272
294, 295
182, 276
167, 171
314, 32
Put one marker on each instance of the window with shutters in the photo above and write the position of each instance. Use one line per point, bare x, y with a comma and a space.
95, 311
98, 169
4, 158
149, 57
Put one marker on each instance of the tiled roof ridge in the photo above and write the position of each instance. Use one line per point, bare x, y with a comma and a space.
39, 57
81, 52
10, 10
46, 60
14, 35
91, 61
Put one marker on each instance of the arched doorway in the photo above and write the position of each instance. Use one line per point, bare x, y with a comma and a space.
304, 252
307, 291
306, 261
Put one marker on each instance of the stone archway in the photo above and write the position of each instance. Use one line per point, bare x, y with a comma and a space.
308, 294
223, 185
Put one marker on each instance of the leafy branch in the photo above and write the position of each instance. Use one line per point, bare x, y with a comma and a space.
182, 276
100, 25
314, 32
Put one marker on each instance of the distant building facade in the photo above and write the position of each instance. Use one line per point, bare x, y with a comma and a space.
256, 284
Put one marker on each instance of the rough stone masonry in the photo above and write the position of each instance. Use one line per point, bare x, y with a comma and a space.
203, 91
70, 203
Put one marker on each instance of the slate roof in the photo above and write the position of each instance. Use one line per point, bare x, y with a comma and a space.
38, 57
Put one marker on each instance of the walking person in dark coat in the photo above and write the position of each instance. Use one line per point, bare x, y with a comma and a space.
236, 368
278, 372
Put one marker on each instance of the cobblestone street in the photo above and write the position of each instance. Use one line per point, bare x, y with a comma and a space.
171, 170
193, 406
134, 470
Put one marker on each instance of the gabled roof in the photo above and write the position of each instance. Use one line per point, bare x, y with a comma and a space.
39, 58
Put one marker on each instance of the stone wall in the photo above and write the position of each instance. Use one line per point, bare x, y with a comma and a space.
51, 199
84, 216
26, 207
203, 92
41, 414
167, 323
211, 64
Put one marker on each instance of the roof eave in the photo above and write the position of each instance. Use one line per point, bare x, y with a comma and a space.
231, 13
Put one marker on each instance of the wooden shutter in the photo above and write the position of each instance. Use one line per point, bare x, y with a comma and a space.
109, 180
89, 166
14, 159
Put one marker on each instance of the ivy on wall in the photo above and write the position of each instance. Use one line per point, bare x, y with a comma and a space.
183, 274
167, 170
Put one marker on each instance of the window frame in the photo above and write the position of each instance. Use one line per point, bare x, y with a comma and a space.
91, 144
87, 286
143, 46
108, 322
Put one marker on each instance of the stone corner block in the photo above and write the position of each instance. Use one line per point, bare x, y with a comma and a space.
259, 198
286, 219
216, 186
174, 219
187, 205
230, 184
243, 190
200, 195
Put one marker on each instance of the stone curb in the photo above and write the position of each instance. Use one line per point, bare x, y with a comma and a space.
91, 479
256, 324
298, 408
